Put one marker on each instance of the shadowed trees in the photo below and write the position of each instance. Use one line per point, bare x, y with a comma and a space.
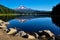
56, 14
6, 13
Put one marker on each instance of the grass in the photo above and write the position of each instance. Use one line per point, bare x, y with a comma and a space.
9, 14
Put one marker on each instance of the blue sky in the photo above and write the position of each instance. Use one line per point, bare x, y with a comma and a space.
33, 4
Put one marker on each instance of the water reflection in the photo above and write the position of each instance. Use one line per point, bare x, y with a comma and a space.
36, 24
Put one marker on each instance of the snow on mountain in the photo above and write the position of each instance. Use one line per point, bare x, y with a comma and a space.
21, 7
24, 9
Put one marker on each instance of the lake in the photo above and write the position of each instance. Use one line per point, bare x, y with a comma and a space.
35, 25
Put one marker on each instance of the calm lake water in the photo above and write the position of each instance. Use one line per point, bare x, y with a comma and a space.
35, 24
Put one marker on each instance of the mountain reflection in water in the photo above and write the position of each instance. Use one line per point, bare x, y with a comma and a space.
36, 24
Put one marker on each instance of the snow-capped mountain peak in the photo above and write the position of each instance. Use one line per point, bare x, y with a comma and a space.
22, 7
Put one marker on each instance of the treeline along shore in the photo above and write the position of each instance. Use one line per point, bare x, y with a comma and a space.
7, 17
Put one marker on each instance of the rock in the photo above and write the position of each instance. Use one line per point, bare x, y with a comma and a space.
46, 34
1, 21
22, 33
30, 36
12, 31
49, 32
3, 25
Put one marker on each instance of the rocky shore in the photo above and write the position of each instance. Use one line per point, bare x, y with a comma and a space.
7, 36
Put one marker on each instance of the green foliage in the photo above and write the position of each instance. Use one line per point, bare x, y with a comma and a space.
6, 13
5, 10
